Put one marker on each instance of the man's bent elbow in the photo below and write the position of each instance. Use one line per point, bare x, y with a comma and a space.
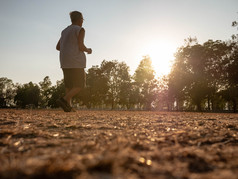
58, 46
82, 48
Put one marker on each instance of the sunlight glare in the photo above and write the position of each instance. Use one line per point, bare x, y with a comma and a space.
162, 55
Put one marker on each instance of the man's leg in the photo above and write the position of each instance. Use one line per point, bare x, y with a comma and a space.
71, 93
74, 81
66, 92
63, 104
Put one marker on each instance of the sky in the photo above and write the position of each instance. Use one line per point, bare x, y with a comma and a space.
123, 30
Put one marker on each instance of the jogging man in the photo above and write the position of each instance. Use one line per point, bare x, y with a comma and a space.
72, 59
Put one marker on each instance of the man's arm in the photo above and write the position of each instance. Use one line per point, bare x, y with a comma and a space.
58, 45
82, 47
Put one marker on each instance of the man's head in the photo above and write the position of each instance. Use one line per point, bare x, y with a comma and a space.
76, 17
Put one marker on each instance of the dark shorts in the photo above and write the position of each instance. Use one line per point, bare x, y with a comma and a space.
74, 77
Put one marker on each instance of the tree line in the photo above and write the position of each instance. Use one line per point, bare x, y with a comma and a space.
109, 86
204, 77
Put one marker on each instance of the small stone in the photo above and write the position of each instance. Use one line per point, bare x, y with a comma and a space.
148, 162
56, 135
142, 160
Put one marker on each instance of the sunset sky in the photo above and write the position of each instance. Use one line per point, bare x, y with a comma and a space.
123, 30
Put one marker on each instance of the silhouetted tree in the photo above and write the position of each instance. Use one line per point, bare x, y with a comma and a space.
57, 91
177, 82
94, 94
215, 53
197, 74
230, 73
45, 91
146, 83
117, 75
27, 94
124, 85
7, 92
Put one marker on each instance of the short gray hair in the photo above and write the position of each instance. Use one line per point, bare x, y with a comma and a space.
75, 15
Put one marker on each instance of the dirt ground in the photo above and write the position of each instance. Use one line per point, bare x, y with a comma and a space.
118, 144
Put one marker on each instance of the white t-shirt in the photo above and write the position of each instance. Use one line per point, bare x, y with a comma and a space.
70, 55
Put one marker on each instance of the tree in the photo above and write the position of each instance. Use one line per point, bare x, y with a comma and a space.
45, 91
197, 74
57, 92
94, 94
230, 92
7, 92
117, 75
109, 71
124, 85
179, 78
197, 83
27, 94
215, 53
145, 83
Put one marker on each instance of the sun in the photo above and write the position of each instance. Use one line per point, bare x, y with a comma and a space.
161, 54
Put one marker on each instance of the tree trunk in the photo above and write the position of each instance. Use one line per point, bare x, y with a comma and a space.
208, 102
199, 107
112, 104
234, 105
177, 105
213, 105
